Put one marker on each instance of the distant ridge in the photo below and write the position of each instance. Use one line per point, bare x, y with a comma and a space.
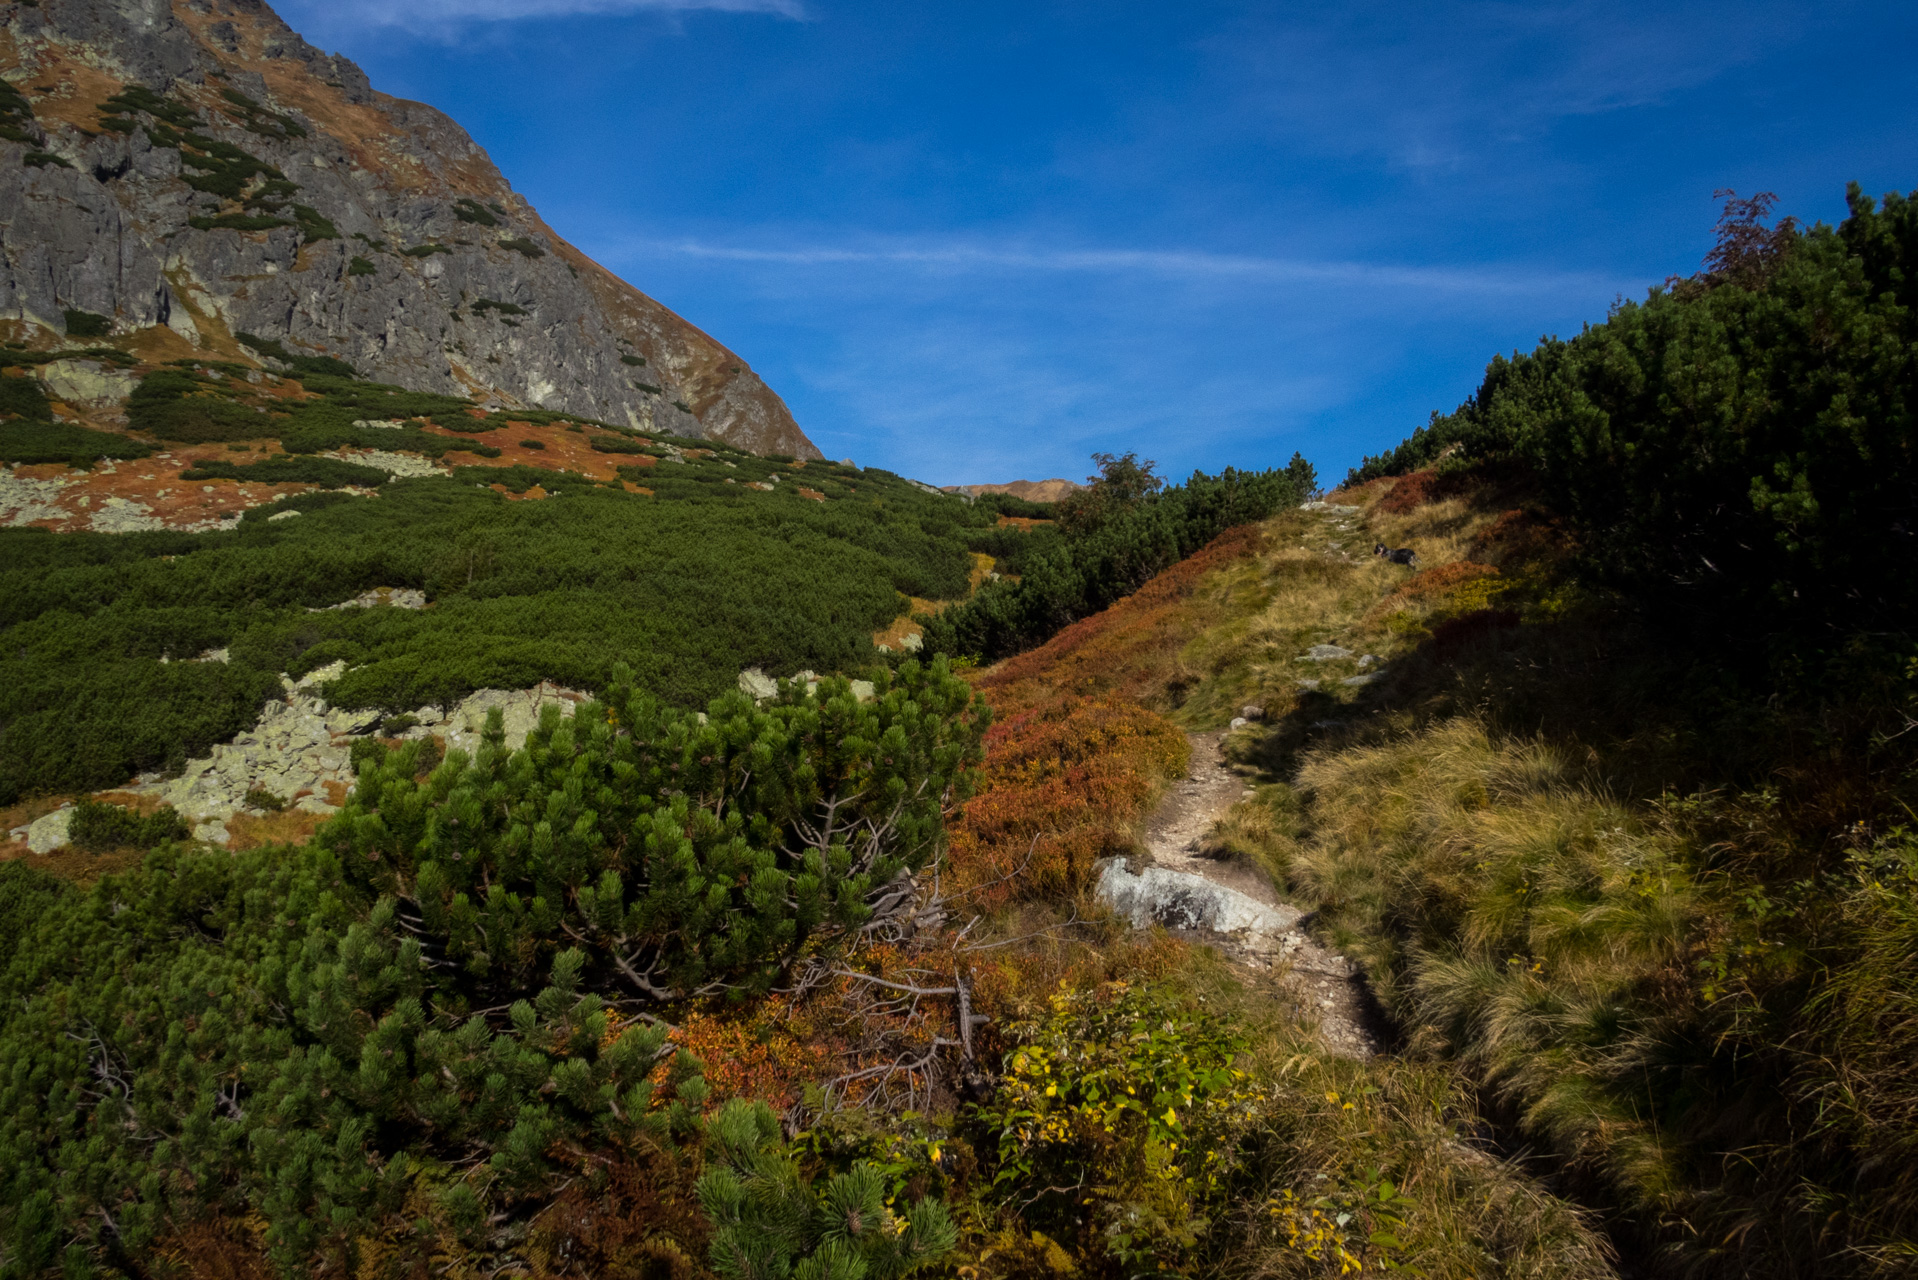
1030, 490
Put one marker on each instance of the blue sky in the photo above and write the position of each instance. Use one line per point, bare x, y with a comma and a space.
979, 241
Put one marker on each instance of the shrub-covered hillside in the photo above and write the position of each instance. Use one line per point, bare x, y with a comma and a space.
687, 560
1625, 829
1740, 448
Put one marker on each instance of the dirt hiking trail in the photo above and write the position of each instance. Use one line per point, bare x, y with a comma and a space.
1324, 986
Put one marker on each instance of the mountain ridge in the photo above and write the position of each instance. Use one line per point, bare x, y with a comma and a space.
277, 194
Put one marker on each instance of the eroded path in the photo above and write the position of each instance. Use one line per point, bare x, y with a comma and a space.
1234, 907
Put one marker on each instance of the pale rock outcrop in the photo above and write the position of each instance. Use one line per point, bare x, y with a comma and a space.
86, 383
47, 833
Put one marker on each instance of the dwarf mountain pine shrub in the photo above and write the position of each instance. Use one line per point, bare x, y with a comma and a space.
1736, 450
414, 1011
96, 825
770, 1221
1117, 548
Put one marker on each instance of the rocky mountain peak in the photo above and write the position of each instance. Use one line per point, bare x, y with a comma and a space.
179, 174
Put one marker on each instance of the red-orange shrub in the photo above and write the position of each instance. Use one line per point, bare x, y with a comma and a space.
1420, 487
1062, 786
1073, 760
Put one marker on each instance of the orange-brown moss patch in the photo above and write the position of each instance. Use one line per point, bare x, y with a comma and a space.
1420, 487
254, 830
154, 485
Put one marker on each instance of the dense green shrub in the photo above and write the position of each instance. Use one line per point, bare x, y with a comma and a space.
220, 168
26, 440
16, 114
238, 222
97, 826
87, 324
769, 1221
415, 1008
137, 97
519, 477
330, 472
1738, 449
314, 226
359, 267
467, 209
25, 398
1121, 544
482, 305
617, 444
522, 245
41, 159
257, 119
1006, 504
177, 404
687, 587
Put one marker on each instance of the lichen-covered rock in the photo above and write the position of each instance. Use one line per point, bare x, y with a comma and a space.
371, 229
86, 382
757, 685
47, 833
520, 710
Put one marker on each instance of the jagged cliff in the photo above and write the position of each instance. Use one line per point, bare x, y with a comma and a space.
195, 170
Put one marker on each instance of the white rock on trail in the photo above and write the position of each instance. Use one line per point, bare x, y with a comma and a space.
757, 685
1182, 900
397, 597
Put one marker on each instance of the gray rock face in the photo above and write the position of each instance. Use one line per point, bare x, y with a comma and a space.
396, 227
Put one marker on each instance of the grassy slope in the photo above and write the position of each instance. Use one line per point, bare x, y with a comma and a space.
1666, 931
1088, 730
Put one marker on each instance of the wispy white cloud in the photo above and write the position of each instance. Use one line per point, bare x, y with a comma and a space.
1185, 263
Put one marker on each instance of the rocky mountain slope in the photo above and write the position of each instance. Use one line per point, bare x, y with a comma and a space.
1030, 490
182, 173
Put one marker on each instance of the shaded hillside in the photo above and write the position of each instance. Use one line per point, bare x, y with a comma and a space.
195, 172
